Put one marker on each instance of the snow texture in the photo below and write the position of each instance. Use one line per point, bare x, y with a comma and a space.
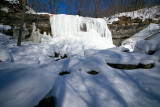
33, 74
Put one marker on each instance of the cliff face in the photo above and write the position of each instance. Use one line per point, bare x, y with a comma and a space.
126, 27
11, 15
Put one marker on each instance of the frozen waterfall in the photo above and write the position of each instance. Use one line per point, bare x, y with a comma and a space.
76, 33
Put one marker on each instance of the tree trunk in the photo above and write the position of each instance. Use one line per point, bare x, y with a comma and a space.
22, 23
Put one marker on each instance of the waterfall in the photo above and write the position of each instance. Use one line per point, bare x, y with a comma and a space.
64, 25
77, 34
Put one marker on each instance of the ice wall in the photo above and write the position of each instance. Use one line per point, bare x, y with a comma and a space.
73, 35
62, 25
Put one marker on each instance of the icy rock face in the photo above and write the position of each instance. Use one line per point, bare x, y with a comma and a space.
76, 34
68, 24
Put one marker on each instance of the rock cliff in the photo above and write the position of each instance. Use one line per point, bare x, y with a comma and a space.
126, 27
11, 15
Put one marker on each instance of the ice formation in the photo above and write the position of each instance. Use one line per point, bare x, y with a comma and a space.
37, 37
75, 33
68, 24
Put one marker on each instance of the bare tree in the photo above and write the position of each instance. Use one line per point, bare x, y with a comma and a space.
97, 7
69, 6
22, 23
54, 5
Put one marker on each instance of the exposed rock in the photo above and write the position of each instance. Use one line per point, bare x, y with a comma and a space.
126, 27
130, 66
13, 18
64, 73
92, 72
46, 102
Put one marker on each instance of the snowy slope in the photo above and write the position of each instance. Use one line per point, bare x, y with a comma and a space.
32, 74
146, 13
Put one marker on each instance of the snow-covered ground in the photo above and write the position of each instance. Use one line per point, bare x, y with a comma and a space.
146, 13
28, 73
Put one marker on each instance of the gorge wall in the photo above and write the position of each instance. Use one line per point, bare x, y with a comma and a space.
126, 27
12, 16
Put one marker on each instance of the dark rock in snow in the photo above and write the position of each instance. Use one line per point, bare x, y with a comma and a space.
46, 102
93, 72
64, 73
130, 66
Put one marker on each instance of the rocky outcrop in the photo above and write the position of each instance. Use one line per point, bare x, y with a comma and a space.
126, 27
13, 18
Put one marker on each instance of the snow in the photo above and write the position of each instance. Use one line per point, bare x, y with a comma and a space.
5, 9
146, 13
4, 27
144, 34
32, 74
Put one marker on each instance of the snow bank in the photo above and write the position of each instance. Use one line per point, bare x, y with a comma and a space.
75, 33
4, 27
33, 74
146, 13
147, 32
153, 44
5, 9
